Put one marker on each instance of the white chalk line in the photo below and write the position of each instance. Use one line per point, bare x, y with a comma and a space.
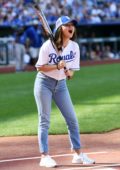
106, 166
38, 157
94, 167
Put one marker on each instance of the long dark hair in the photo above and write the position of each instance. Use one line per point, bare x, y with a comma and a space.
59, 40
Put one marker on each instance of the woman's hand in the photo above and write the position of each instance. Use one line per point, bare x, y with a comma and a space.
61, 65
69, 73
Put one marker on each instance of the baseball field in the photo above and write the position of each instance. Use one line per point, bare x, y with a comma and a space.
95, 93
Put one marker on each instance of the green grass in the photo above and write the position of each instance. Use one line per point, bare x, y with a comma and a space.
95, 92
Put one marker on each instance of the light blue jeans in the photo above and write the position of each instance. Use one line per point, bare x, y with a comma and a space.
46, 89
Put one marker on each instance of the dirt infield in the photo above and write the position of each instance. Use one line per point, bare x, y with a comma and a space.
21, 153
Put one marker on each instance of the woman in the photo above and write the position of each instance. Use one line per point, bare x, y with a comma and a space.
53, 69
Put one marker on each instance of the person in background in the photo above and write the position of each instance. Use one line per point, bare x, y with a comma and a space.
33, 34
19, 53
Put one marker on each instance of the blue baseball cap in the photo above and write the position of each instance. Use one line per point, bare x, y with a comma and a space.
62, 21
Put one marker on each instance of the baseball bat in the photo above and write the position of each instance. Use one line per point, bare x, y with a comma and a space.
46, 26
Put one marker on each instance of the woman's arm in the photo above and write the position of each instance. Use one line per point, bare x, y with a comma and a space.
47, 68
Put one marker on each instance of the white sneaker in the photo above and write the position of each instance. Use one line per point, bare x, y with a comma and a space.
82, 158
48, 162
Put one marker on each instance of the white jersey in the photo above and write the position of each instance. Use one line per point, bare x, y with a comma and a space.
48, 55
